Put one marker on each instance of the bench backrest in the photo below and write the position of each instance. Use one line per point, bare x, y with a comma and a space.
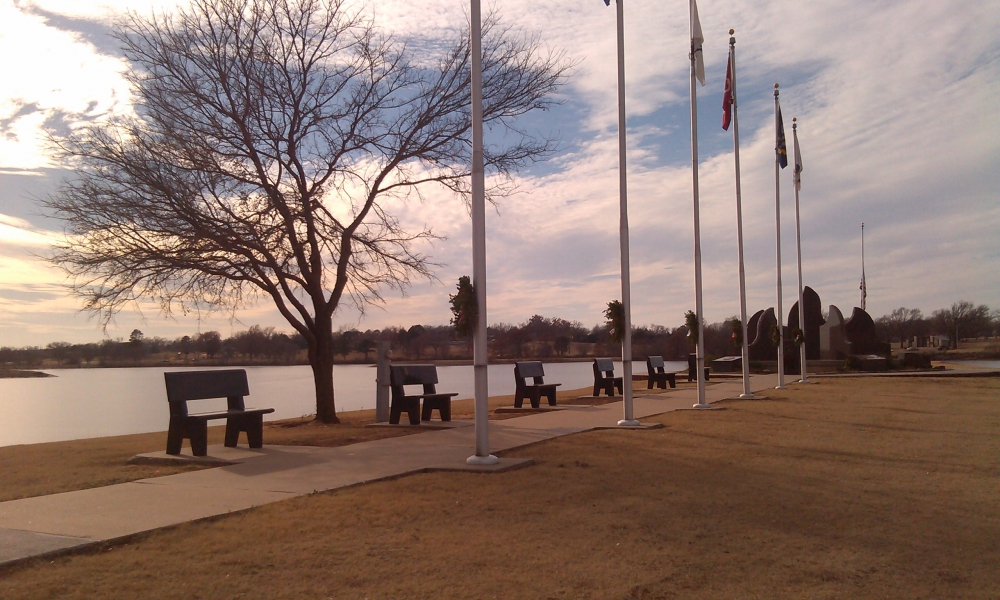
654, 364
604, 367
182, 386
523, 370
401, 375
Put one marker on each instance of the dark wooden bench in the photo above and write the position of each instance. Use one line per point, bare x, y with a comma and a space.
658, 374
203, 385
693, 368
535, 390
604, 377
426, 376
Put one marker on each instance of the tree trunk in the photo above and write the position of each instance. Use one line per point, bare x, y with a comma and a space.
321, 359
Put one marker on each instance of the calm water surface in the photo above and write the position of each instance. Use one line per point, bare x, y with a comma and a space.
83, 403
993, 364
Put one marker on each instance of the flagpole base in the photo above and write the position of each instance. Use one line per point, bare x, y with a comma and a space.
706, 406
747, 397
806, 380
482, 460
628, 423
780, 387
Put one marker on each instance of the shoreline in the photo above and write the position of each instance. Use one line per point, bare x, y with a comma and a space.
22, 374
18, 373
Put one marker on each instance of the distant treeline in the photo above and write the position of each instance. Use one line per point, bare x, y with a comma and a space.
963, 320
538, 337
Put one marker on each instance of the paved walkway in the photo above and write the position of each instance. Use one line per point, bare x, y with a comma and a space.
47, 524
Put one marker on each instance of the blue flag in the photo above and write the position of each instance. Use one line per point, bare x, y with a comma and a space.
779, 146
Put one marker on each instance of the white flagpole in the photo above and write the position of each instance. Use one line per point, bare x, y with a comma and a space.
798, 247
480, 360
629, 420
744, 350
697, 226
777, 226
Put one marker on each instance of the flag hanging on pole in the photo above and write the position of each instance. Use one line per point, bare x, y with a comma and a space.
697, 39
797, 171
864, 290
727, 96
779, 146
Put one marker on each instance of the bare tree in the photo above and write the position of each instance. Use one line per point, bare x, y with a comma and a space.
963, 317
270, 142
899, 324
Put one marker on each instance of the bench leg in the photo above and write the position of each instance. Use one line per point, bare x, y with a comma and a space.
621, 386
255, 431
198, 432
536, 398
394, 413
443, 408
175, 437
414, 412
552, 396
673, 381
233, 427
649, 383
518, 398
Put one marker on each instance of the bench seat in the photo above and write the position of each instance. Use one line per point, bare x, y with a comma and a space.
604, 378
536, 389
658, 375
203, 385
423, 375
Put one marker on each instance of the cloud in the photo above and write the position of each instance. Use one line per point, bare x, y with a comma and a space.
59, 80
896, 112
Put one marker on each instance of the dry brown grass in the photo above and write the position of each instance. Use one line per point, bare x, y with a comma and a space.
851, 488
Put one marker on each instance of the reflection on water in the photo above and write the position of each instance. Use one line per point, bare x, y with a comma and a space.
83, 403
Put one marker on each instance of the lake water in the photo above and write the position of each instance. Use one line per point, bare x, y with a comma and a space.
84, 403
993, 364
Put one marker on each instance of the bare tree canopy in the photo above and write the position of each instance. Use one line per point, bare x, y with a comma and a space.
963, 317
270, 143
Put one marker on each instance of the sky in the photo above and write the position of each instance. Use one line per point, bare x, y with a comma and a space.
896, 104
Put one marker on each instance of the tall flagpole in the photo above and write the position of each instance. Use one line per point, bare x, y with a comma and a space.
629, 420
480, 361
777, 226
798, 246
744, 350
697, 217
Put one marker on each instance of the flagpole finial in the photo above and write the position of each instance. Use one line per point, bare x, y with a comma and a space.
776, 90
732, 40
732, 31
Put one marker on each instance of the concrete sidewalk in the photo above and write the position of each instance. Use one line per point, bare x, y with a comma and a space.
49, 524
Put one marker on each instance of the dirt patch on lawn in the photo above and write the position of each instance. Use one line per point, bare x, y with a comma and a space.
851, 488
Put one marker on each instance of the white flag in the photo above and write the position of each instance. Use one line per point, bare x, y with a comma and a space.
697, 39
797, 171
